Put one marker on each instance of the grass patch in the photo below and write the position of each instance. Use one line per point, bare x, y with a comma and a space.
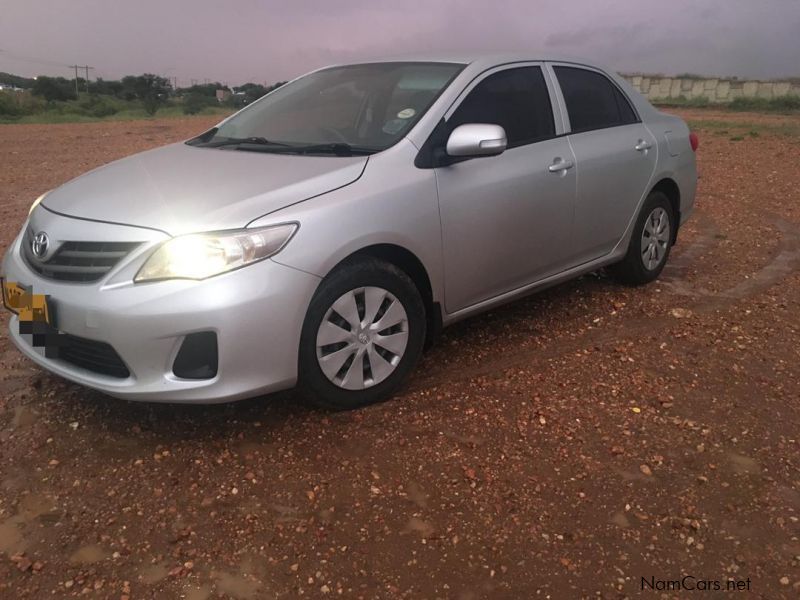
683, 102
781, 105
739, 130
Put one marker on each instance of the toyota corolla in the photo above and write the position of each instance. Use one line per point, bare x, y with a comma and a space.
324, 234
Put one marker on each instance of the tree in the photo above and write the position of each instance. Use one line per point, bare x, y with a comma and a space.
17, 81
106, 88
205, 89
54, 88
151, 89
194, 103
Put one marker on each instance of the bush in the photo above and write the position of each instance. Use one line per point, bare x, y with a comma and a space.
195, 103
95, 106
54, 88
9, 107
151, 104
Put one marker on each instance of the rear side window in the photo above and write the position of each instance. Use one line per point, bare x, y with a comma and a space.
593, 102
516, 99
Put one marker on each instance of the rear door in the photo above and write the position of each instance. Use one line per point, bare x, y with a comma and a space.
506, 220
615, 154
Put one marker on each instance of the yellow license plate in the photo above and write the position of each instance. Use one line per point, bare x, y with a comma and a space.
27, 305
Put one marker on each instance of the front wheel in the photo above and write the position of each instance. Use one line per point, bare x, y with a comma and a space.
650, 243
363, 334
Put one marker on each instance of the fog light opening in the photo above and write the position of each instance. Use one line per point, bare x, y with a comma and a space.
197, 357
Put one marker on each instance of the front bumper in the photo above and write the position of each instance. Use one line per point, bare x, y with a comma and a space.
256, 312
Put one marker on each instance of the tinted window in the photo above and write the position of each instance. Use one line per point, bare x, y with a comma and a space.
517, 99
593, 102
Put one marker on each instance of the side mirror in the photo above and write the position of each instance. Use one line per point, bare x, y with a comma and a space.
477, 139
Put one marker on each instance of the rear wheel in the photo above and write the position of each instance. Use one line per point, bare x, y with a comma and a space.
363, 334
650, 243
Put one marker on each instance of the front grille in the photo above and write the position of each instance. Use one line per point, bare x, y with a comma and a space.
77, 261
91, 355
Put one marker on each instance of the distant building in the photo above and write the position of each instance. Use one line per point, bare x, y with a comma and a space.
223, 95
7, 87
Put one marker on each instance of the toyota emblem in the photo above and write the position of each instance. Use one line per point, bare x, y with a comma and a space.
40, 244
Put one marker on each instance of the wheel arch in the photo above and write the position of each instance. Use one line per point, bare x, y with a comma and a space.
411, 265
670, 189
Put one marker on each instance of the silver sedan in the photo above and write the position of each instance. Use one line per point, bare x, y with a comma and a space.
325, 233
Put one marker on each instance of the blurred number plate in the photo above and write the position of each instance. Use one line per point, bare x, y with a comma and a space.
29, 307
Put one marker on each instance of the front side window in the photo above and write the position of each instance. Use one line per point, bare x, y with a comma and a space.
364, 108
516, 99
593, 102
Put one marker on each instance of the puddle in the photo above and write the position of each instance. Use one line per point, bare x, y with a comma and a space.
417, 495
620, 520
33, 506
237, 586
743, 464
23, 417
87, 555
153, 573
121, 447
286, 513
424, 528
470, 440
11, 540
631, 475
191, 592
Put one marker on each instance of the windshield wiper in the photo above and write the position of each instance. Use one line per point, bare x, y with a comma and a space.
262, 144
255, 140
337, 148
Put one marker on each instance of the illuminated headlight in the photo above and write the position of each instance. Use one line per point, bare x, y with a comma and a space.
37, 202
198, 256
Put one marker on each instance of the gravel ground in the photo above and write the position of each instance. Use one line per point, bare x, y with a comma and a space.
565, 446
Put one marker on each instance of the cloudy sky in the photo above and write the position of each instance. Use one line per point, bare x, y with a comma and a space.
269, 40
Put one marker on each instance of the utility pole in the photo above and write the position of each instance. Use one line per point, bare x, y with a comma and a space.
87, 67
76, 67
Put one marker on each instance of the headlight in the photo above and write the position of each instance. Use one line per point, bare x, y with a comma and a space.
37, 202
198, 256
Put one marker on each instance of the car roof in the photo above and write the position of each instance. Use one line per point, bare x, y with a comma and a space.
482, 59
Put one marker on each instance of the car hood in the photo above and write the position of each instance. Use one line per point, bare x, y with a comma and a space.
184, 189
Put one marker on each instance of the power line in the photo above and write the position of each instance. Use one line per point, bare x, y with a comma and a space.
76, 67
31, 59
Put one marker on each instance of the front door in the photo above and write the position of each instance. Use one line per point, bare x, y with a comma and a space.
506, 220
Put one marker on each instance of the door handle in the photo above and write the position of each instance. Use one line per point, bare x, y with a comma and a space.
560, 165
642, 146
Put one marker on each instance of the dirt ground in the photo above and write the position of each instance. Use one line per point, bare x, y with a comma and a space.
564, 446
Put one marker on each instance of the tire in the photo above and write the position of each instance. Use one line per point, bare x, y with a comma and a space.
339, 324
644, 262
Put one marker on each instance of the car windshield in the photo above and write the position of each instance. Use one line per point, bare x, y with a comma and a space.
338, 111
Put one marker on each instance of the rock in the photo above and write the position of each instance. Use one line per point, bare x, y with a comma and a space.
22, 562
646, 470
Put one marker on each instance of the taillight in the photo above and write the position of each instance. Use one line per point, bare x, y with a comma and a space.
694, 141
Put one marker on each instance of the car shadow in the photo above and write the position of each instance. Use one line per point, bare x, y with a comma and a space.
459, 345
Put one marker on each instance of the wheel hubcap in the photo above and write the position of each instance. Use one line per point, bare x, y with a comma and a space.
362, 338
655, 238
